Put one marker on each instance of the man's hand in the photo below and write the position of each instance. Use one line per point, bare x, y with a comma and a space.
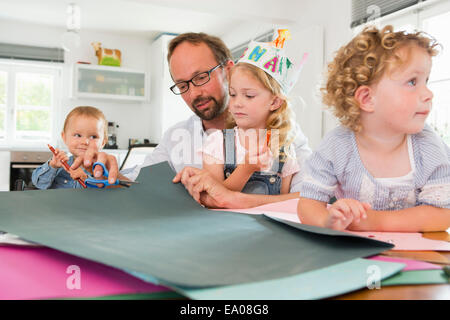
344, 212
91, 156
203, 187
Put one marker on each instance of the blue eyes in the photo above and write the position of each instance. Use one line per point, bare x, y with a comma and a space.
412, 82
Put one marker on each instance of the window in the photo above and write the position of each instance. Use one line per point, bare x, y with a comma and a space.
237, 52
439, 81
28, 98
434, 19
3, 88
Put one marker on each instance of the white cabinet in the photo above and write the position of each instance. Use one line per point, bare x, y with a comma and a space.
5, 159
103, 82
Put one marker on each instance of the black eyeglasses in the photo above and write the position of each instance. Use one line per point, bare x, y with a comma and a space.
198, 80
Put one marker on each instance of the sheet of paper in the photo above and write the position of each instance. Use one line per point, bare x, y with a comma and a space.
405, 241
287, 210
417, 277
44, 273
410, 264
156, 228
318, 284
287, 206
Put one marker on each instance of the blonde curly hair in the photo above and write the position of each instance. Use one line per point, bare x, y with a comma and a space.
363, 61
280, 119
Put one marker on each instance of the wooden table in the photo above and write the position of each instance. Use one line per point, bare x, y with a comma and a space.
406, 292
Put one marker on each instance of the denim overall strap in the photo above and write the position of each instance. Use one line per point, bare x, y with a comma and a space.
259, 182
229, 149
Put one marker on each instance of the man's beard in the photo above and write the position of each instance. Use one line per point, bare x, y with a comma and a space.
215, 110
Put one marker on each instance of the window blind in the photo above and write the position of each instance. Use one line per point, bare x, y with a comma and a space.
365, 10
237, 51
23, 52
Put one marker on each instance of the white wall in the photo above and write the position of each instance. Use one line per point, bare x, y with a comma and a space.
167, 109
333, 19
132, 117
137, 120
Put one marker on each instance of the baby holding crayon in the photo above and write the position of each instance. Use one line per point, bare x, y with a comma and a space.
83, 126
388, 170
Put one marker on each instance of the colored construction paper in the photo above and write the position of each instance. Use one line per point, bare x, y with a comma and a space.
405, 241
318, 284
410, 264
417, 277
41, 273
156, 228
287, 206
163, 295
44, 273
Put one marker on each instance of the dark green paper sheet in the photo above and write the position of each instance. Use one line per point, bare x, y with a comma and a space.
415, 277
156, 228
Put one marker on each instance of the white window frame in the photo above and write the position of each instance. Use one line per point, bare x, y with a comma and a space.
12, 68
6, 69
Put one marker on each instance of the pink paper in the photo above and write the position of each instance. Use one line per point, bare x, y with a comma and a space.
41, 273
287, 210
287, 206
410, 264
406, 241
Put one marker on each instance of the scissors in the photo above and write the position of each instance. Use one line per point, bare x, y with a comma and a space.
92, 182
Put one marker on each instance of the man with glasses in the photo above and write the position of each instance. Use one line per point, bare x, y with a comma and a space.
199, 65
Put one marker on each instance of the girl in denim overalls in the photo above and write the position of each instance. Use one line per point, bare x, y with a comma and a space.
254, 154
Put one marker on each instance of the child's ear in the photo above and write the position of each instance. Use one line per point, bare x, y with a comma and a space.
364, 96
276, 103
62, 136
104, 143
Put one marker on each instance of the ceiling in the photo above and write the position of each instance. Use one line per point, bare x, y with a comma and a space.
151, 17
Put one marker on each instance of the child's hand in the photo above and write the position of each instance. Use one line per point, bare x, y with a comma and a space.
344, 212
259, 162
256, 159
78, 174
55, 162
